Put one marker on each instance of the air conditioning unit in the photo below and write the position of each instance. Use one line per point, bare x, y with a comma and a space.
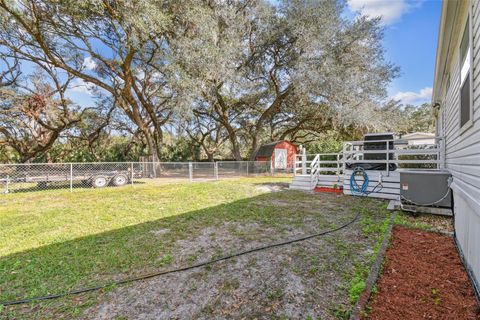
425, 188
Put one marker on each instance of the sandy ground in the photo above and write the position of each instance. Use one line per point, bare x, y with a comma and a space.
301, 281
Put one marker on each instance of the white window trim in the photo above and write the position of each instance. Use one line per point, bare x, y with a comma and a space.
463, 67
469, 123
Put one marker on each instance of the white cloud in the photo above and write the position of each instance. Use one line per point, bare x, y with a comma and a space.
89, 63
424, 95
154, 76
81, 86
389, 10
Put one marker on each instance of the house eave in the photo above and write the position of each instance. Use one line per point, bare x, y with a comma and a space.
447, 21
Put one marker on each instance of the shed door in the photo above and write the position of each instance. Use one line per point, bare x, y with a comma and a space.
280, 158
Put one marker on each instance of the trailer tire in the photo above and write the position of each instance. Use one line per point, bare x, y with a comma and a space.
120, 179
99, 181
42, 185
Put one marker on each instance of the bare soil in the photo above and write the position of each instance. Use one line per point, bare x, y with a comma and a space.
300, 281
432, 222
423, 278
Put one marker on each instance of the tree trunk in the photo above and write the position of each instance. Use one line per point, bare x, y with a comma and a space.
152, 148
210, 156
221, 108
235, 149
158, 143
269, 112
253, 148
232, 137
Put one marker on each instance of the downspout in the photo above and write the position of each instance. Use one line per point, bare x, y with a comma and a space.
436, 107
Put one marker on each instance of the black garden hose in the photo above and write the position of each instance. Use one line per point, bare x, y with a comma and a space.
161, 273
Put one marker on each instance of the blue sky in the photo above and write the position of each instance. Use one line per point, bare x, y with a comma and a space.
411, 32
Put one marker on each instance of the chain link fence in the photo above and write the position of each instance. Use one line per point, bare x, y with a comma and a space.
46, 176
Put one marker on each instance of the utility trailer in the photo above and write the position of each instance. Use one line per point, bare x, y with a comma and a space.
94, 175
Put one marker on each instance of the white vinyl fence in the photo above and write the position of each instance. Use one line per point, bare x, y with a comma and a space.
43, 176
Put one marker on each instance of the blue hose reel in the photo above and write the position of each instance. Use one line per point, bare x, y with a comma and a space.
362, 189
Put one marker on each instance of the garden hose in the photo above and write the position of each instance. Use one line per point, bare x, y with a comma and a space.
362, 190
161, 273
426, 204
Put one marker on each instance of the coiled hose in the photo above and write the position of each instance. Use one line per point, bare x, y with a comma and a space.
362, 190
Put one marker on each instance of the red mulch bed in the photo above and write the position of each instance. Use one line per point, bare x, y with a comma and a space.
423, 278
328, 190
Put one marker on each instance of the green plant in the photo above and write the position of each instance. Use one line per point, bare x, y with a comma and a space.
275, 294
436, 296
340, 312
356, 288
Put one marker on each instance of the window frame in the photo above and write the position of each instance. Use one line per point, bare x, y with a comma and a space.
469, 123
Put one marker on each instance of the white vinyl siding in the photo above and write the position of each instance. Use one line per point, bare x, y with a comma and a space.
462, 142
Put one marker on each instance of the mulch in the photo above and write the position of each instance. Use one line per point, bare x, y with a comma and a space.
423, 278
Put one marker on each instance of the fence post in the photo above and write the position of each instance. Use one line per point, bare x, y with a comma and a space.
338, 164
131, 173
154, 167
247, 168
388, 159
215, 170
190, 171
295, 164
272, 170
7, 185
304, 161
71, 177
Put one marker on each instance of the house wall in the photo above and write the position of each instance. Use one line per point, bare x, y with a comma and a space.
462, 147
420, 142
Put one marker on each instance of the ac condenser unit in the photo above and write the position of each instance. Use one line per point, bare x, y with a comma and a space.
426, 188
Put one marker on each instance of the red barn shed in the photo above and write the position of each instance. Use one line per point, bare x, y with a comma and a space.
281, 153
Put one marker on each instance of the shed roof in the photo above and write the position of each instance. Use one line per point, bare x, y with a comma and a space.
266, 150
418, 135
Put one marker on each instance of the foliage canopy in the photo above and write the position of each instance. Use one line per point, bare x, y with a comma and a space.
188, 79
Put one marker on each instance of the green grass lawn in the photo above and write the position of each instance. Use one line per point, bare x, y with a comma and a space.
36, 219
54, 241
42, 231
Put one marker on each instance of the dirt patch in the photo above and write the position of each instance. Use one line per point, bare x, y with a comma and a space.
433, 222
423, 278
272, 187
312, 204
160, 232
274, 282
305, 280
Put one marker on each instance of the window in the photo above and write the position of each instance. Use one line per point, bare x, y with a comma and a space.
465, 77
